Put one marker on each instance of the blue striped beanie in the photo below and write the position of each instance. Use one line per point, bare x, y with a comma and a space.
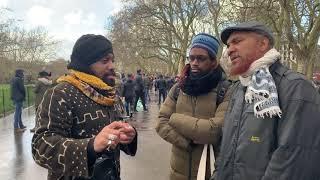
207, 42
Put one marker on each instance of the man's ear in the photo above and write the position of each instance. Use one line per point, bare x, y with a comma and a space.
264, 44
214, 63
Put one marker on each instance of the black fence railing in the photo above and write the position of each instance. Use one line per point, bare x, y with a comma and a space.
6, 104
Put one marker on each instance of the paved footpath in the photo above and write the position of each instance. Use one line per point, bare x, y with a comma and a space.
150, 163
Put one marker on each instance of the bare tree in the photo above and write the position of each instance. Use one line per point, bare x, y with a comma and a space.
161, 30
28, 49
302, 29
295, 23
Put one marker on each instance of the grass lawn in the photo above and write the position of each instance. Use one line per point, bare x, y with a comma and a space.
6, 104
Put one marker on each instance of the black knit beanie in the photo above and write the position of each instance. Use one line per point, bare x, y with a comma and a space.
87, 50
44, 74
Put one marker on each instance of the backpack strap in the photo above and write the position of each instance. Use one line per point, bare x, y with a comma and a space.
176, 92
222, 88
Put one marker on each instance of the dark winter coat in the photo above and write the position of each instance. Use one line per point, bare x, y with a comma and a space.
161, 84
286, 148
146, 82
68, 121
18, 91
128, 89
170, 83
139, 84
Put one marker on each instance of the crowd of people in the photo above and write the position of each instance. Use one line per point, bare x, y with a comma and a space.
263, 125
133, 88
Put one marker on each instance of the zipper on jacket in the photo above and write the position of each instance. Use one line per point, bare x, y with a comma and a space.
235, 144
193, 105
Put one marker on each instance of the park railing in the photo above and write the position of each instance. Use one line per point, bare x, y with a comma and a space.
6, 104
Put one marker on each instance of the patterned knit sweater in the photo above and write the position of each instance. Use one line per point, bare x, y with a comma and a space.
68, 121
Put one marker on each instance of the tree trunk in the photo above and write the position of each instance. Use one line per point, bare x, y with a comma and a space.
306, 63
183, 52
300, 65
169, 69
310, 68
181, 64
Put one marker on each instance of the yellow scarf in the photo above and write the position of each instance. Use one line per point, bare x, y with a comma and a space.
86, 84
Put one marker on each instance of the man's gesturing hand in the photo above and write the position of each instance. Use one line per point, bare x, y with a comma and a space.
108, 136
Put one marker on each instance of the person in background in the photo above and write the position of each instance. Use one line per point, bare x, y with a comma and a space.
139, 90
43, 83
156, 78
161, 85
128, 94
147, 84
170, 82
18, 95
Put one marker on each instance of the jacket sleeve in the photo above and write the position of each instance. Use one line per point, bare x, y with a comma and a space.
51, 146
140, 82
297, 155
130, 149
206, 131
156, 84
165, 130
123, 89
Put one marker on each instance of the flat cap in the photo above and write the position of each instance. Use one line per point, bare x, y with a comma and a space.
251, 26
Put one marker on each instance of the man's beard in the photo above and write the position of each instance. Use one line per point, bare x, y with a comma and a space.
199, 74
240, 68
110, 81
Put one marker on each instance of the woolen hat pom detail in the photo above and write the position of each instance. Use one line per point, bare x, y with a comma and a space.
207, 42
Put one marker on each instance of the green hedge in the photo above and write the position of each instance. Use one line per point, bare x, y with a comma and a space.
6, 104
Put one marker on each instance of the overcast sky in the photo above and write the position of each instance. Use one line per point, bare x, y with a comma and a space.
66, 20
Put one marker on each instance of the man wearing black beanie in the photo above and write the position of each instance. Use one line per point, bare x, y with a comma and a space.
79, 135
88, 50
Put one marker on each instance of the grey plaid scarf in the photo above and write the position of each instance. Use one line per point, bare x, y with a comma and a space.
261, 88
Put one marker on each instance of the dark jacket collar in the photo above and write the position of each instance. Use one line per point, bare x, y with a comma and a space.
278, 68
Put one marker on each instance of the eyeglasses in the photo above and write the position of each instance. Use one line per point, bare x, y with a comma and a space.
200, 58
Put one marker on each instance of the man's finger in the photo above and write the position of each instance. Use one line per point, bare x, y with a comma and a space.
125, 142
127, 130
116, 125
